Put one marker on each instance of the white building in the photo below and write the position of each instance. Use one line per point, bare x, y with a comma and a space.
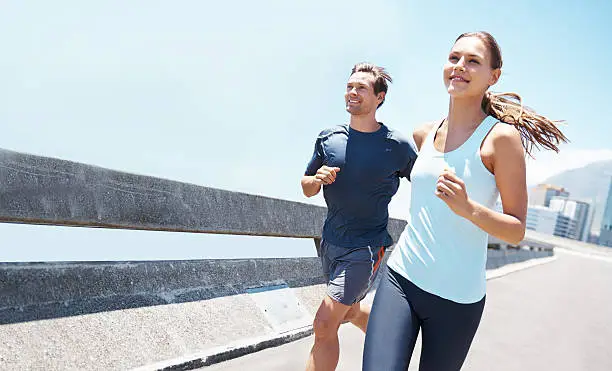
574, 218
605, 234
542, 219
564, 218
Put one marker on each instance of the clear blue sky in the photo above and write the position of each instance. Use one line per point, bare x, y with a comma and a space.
232, 94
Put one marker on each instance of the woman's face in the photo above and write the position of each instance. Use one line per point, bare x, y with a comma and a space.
468, 72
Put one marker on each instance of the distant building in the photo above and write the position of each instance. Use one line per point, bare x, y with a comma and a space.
574, 218
541, 194
564, 218
566, 227
542, 219
589, 232
593, 238
605, 233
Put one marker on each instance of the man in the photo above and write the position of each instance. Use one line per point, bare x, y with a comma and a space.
359, 166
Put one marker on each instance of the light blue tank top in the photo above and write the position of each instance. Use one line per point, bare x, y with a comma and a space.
439, 251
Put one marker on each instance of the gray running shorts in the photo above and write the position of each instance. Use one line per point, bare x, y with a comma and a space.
350, 272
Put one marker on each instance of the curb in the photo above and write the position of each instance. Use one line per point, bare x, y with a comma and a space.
248, 346
227, 352
587, 254
516, 267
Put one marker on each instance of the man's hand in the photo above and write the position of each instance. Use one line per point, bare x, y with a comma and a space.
311, 185
326, 175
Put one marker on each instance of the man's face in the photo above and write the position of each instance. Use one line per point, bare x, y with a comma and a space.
359, 96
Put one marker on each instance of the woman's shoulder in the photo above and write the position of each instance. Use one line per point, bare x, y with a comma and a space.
420, 133
502, 141
503, 133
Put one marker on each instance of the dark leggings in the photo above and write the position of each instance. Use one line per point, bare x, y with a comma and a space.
400, 309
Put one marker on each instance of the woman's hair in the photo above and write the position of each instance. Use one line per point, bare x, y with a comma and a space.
536, 130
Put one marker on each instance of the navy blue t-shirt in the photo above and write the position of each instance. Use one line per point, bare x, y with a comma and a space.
370, 167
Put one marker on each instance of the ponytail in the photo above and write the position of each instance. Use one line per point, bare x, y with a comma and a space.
536, 130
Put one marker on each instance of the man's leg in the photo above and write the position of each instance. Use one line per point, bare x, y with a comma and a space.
326, 349
358, 315
351, 272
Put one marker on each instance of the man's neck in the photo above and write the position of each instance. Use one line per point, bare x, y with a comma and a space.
366, 124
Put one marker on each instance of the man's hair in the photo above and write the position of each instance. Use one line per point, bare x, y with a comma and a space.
380, 77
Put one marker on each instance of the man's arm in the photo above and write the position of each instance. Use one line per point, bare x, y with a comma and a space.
311, 184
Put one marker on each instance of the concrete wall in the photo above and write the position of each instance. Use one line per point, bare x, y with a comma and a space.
121, 315
118, 315
36, 291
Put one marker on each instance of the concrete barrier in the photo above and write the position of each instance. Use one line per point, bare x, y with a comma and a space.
36, 291
43, 190
118, 315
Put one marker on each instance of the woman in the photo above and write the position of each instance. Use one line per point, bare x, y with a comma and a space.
435, 281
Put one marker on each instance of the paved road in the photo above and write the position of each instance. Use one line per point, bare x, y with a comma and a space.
556, 316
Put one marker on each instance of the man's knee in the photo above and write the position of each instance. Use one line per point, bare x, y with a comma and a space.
328, 319
325, 328
352, 313
355, 313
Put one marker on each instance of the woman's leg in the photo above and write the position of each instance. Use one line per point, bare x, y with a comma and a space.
392, 328
447, 334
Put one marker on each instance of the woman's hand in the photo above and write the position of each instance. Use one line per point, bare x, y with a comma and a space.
451, 189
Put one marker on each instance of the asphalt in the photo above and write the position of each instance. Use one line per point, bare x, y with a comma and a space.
555, 316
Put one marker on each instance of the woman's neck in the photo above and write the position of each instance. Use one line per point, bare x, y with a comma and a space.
465, 113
